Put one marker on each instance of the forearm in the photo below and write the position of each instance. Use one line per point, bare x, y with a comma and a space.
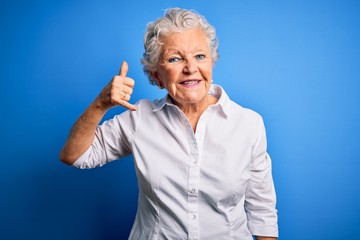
82, 133
116, 92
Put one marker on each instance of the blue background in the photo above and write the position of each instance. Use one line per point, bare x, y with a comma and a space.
295, 62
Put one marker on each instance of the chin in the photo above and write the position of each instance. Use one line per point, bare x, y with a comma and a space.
195, 99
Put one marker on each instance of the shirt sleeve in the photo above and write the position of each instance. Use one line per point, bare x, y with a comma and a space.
260, 198
111, 142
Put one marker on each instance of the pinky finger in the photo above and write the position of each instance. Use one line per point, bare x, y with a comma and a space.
129, 106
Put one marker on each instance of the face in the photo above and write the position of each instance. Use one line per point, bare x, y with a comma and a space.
185, 67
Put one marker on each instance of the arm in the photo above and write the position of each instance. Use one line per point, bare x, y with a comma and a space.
260, 198
81, 136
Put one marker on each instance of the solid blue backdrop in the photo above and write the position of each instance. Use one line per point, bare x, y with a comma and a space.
295, 62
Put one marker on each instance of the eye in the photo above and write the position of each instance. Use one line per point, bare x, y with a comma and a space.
174, 59
200, 56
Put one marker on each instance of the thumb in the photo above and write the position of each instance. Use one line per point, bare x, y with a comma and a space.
123, 69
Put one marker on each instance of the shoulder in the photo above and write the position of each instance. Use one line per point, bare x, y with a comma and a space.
243, 116
239, 110
149, 106
232, 109
145, 108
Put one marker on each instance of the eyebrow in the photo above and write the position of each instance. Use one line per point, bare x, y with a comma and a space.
174, 50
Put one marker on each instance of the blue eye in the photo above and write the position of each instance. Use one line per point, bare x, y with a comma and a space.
174, 59
200, 56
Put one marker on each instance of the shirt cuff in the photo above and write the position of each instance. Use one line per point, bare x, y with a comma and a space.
81, 162
265, 231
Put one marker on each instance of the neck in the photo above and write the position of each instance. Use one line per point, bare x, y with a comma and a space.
194, 111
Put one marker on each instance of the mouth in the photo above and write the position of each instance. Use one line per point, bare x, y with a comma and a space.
190, 82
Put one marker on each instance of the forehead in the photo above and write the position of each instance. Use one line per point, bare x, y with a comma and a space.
186, 41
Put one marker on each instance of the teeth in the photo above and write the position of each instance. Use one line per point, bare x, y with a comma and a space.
190, 82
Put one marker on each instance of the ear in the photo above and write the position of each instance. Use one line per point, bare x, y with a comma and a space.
155, 76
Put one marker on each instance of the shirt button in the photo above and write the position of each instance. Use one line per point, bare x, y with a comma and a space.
193, 191
193, 216
195, 162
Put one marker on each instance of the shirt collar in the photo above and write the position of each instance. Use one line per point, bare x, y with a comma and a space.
223, 99
215, 90
159, 104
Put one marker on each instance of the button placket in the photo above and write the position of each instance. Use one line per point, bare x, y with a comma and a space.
193, 191
193, 184
196, 143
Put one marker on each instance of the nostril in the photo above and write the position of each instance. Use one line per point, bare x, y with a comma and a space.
190, 69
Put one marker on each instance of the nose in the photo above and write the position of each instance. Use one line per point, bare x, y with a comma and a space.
190, 67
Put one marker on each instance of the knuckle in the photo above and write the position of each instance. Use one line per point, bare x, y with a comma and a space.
130, 81
113, 92
113, 99
117, 80
114, 79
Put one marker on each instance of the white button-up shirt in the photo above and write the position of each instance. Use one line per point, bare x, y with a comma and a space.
215, 183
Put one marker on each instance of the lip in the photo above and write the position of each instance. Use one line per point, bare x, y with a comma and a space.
190, 82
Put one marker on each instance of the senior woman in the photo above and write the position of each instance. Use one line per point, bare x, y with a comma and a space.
201, 160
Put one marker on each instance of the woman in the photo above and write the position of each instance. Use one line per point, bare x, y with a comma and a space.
200, 159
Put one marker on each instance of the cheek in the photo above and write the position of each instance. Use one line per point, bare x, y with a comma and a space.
207, 71
169, 75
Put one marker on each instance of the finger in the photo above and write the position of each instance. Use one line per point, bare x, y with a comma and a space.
128, 105
120, 84
127, 89
118, 80
125, 96
129, 82
123, 69
122, 100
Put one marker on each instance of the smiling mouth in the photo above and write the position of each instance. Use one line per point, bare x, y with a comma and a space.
190, 82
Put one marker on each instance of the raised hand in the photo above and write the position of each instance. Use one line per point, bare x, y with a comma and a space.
118, 91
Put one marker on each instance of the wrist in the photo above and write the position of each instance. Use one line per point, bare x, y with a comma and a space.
99, 106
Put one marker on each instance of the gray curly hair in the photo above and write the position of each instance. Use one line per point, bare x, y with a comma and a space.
174, 20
